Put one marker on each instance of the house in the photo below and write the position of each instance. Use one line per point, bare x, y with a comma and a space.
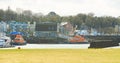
68, 27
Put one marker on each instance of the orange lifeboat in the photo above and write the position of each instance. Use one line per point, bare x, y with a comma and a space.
77, 39
19, 40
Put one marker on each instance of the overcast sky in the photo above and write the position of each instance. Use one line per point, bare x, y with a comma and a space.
66, 7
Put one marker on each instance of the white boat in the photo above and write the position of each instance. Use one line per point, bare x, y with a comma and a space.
5, 42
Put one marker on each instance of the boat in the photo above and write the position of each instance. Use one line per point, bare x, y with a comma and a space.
18, 40
78, 39
5, 42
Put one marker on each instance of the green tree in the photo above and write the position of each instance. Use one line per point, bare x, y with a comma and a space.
2, 15
52, 16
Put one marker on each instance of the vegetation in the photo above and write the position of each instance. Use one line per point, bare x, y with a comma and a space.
99, 23
60, 56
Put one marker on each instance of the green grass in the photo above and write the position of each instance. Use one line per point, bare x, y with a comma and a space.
60, 56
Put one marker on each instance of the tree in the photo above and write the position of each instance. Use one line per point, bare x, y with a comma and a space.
2, 15
52, 16
9, 15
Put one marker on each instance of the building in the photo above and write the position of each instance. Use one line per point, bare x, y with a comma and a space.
25, 27
3, 26
68, 27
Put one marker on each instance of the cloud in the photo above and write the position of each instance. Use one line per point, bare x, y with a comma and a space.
66, 7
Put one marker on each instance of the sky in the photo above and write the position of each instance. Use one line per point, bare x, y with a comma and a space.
66, 7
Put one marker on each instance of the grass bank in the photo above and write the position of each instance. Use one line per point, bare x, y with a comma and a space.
60, 56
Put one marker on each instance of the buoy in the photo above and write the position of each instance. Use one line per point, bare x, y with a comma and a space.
19, 48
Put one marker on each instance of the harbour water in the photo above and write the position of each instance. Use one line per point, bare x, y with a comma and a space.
51, 46
56, 46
